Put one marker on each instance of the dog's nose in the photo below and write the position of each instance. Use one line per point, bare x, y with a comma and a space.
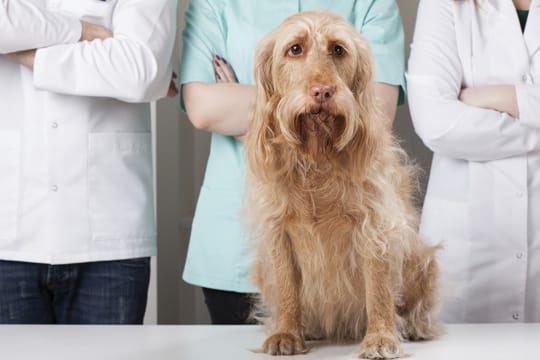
322, 93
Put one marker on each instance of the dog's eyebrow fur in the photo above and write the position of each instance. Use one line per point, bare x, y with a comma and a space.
347, 45
298, 38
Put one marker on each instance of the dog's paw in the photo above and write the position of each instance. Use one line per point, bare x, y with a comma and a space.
284, 344
380, 346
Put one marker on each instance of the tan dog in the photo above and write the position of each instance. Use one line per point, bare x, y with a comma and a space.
329, 196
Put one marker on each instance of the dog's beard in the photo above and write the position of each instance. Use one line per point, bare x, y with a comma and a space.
318, 133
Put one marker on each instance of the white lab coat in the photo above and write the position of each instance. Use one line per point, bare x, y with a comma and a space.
75, 143
483, 197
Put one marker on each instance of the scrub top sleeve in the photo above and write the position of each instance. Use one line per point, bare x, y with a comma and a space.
203, 37
381, 25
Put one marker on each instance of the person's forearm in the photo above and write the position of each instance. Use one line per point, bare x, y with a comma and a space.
501, 98
387, 97
222, 108
25, 58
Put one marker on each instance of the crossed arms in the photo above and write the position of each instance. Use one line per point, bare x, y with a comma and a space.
74, 57
89, 32
482, 123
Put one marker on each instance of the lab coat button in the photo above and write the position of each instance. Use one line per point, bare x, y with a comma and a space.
526, 78
54, 125
54, 188
515, 316
519, 255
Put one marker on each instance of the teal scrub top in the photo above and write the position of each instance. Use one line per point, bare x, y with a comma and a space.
220, 254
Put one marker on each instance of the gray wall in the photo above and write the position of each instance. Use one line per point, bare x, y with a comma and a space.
402, 125
181, 158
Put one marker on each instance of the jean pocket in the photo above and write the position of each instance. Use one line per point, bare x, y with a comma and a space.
9, 183
121, 186
135, 263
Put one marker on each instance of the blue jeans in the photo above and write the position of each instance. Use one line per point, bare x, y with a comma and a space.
107, 292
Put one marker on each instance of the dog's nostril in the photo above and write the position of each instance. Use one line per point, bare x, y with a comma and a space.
322, 93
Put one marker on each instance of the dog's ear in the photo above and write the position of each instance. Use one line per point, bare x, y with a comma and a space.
369, 123
364, 68
263, 67
261, 159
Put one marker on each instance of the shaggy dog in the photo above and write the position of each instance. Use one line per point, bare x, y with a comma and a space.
329, 198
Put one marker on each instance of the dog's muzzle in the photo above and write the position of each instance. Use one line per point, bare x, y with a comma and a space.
319, 132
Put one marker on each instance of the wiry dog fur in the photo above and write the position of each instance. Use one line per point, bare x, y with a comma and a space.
329, 195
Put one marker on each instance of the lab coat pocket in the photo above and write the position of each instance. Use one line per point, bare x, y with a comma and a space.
9, 183
121, 187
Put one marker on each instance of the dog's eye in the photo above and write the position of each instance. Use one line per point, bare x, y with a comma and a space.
338, 50
295, 50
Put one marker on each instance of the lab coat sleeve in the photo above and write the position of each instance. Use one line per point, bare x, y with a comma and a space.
528, 100
133, 66
434, 80
26, 24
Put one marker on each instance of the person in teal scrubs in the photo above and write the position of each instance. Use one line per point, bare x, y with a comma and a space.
220, 254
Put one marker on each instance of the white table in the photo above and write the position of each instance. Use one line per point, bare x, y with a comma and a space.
198, 342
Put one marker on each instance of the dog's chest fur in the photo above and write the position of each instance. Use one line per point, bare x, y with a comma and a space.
321, 236
333, 305
322, 194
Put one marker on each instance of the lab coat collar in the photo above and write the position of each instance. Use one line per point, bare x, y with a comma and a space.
502, 4
532, 29
507, 9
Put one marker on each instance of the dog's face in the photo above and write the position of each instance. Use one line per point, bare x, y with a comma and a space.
314, 70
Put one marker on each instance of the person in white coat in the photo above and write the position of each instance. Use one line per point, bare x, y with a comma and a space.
475, 102
76, 204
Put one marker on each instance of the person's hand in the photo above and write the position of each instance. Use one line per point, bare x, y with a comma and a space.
94, 32
223, 70
173, 89
225, 74
25, 57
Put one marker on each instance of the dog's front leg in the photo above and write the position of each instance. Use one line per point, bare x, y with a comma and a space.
380, 341
288, 337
